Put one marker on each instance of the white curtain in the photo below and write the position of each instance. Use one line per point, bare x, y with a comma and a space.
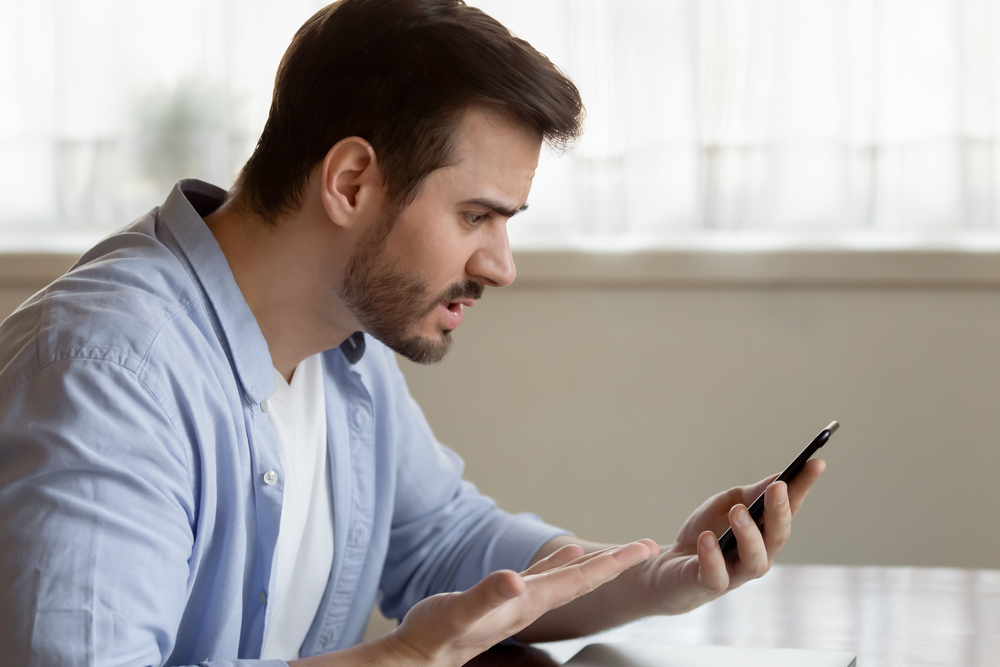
106, 103
706, 118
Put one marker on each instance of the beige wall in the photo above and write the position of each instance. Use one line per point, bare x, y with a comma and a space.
615, 410
612, 396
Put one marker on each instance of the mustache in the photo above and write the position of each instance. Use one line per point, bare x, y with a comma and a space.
468, 289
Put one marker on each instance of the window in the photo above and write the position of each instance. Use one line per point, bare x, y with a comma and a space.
813, 121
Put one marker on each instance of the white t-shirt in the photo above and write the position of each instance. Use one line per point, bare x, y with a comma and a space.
304, 554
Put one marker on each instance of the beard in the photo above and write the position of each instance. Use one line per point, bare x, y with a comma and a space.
390, 303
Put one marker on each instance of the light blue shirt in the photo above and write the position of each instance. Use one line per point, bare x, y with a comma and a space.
140, 485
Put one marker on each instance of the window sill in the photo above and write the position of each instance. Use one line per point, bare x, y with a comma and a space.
785, 268
681, 268
862, 259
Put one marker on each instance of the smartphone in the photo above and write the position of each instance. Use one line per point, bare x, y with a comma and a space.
728, 541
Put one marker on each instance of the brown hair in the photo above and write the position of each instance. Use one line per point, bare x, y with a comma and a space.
399, 74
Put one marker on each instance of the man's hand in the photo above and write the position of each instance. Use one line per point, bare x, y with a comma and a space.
692, 570
449, 629
550, 599
452, 628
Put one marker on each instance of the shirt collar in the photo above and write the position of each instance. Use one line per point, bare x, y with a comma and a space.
182, 214
354, 347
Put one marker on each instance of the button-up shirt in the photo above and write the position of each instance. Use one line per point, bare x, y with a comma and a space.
140, 482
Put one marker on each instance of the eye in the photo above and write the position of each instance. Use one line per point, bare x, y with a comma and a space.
475, 219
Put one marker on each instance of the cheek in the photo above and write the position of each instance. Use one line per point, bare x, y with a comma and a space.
439, 260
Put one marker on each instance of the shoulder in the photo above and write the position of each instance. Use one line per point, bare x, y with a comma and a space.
111, 306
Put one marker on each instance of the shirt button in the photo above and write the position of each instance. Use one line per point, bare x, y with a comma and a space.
270, 477
359, 418
359, 535
262, 596
265, 405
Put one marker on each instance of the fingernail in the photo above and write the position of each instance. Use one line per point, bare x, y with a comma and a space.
783, 495
743, 518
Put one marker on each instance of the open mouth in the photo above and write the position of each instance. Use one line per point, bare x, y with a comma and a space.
453, 314
457, 305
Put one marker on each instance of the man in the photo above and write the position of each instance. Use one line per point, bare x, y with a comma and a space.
207, 452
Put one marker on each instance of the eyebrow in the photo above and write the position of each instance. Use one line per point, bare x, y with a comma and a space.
496, 206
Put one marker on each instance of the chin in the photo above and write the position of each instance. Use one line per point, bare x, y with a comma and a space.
423, 349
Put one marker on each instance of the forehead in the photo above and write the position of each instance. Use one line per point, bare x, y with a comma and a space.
495, 156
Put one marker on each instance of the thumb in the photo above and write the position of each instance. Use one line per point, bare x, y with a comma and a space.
751, 492
495, 589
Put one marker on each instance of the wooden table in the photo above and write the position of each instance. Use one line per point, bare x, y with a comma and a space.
889, 616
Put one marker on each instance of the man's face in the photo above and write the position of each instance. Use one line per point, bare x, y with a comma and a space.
407, 287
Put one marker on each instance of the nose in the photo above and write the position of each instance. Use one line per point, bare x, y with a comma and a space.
492, 263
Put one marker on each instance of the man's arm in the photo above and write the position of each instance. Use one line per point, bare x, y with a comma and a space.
574, 587
95, 507
691, 571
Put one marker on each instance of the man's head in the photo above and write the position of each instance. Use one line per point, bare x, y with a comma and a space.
412, 273
439, 111
401, 74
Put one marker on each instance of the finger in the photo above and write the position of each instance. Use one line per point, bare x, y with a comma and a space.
558, 558
711, 515
720, 504
593, 554
495, 589
570, 559
799, 487
654, 548
777, 519
749, 493
712, 572
612, 562
749, 544
580, 559
556, 587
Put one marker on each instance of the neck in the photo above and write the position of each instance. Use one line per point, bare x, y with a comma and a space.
289, 274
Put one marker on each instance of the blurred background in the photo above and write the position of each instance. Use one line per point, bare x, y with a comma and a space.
783, 212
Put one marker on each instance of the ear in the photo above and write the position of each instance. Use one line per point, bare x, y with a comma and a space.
352, 183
